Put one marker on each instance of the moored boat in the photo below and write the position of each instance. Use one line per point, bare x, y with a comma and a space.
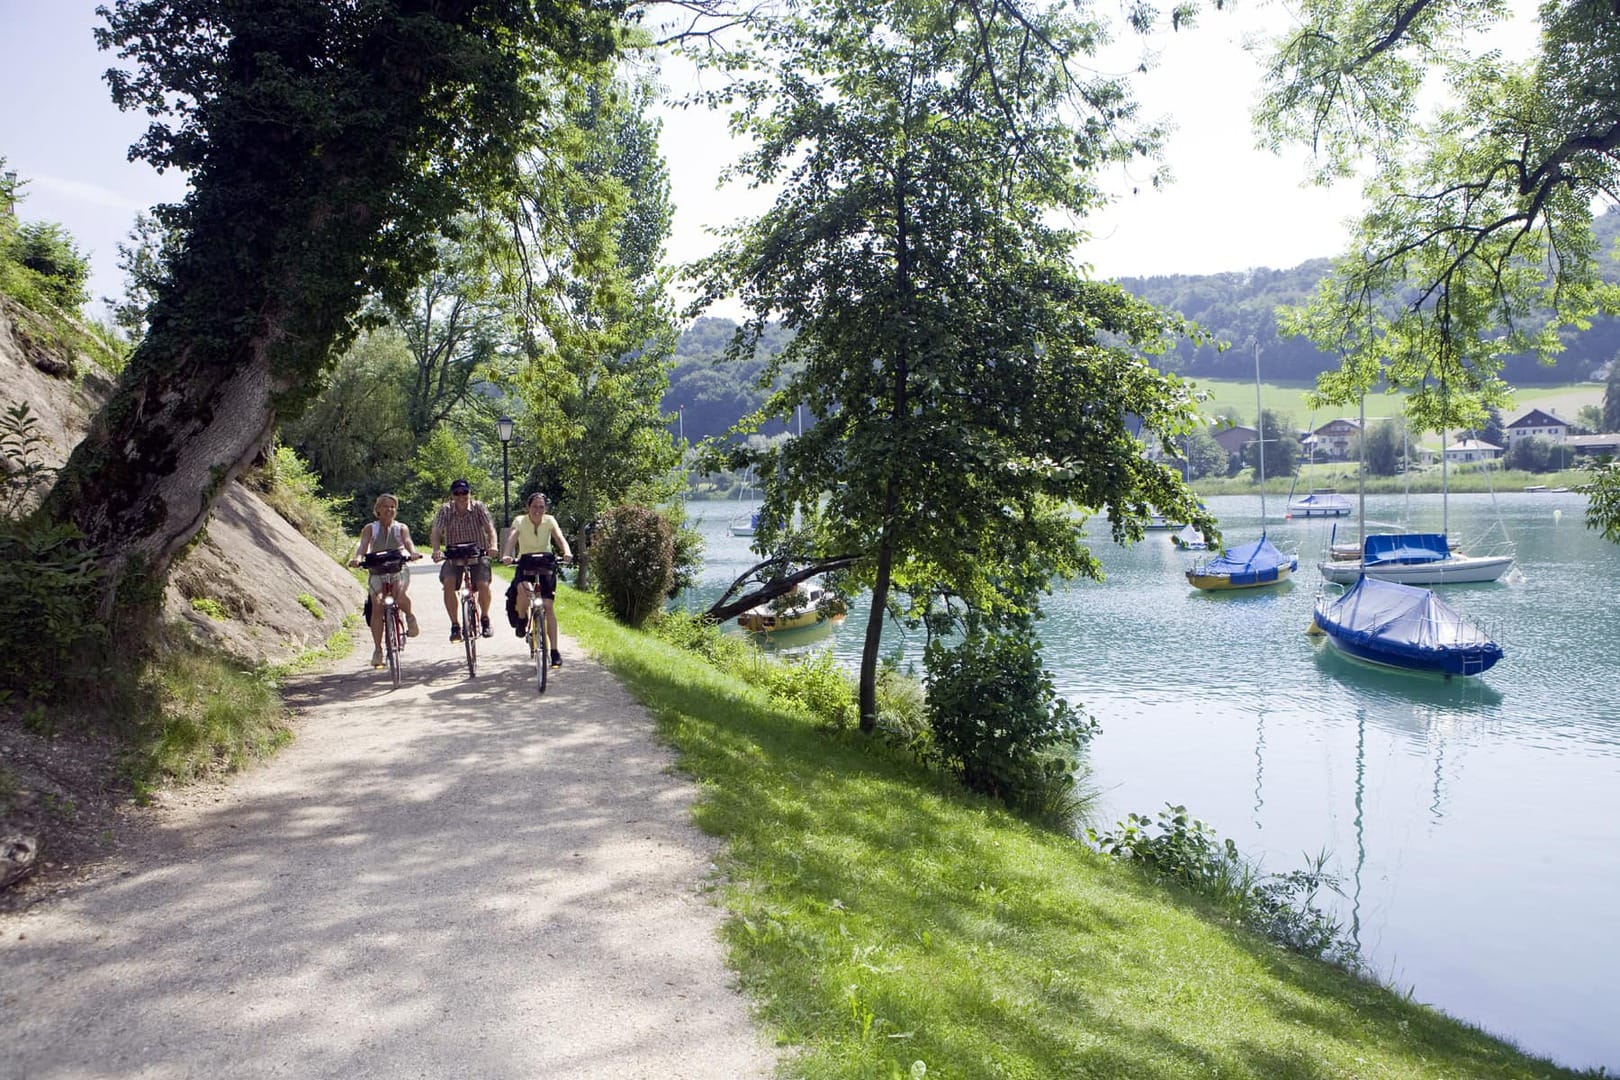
1248, 566
1323, 502
1414, 559
804, 607
1403, 626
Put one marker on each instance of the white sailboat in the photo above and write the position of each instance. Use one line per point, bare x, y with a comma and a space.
1412, 558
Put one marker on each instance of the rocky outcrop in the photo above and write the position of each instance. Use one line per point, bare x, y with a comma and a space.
253, 584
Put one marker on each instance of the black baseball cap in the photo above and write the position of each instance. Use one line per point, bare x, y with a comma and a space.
460, 487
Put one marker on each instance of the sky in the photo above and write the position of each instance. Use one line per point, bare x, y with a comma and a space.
1231, 207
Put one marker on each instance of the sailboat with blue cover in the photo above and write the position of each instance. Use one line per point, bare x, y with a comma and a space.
1259, 563
1403, 626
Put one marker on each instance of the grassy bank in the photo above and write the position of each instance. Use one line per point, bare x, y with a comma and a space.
1341, 477
880, 917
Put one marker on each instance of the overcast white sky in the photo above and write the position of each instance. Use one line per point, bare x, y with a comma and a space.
1231, 208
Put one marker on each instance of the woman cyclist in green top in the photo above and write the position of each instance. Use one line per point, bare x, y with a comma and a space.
534, 533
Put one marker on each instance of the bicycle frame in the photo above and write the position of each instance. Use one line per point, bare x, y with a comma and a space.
469, 611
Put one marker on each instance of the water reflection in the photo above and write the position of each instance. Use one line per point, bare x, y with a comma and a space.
1390, 687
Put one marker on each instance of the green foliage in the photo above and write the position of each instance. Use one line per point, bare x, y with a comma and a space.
941, 332
817, 684
1384, 449
1278, 443
210, 607
591, 402
438, 462
1478, 241
1205, 457
354, 434
46, 576
292, 490
48, 254
1187, 853
634, 559
1603, 501
47, 579
878, 915
999, 724
1530, 454
1611, 398
311, 605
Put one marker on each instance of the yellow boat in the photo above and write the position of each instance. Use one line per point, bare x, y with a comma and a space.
1248, 566
803, 609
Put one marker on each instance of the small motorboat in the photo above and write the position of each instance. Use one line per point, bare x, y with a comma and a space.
802, 607
1323, 502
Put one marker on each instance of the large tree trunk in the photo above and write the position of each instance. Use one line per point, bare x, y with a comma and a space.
874, 635
157, 457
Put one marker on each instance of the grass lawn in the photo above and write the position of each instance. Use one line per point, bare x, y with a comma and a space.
1234, 398
881, 918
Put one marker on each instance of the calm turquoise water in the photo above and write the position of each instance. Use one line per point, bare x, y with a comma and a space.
1474, 823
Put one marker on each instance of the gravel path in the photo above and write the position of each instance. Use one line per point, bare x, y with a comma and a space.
455, 879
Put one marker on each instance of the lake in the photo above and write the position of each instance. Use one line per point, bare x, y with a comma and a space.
1473, 823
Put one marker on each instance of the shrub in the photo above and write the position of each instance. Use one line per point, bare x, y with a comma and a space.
633, 556
999, 724
46, 575
818, 685
292, 490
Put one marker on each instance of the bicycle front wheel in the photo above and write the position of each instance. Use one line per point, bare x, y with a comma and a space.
537, 645
393, 639
469, 636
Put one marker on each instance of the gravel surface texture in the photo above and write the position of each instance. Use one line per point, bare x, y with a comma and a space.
459, 878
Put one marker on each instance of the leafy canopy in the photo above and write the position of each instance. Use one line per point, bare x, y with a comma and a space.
968, 385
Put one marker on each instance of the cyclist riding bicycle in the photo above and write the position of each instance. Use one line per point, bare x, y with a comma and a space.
535, 533
386, 534
461, 521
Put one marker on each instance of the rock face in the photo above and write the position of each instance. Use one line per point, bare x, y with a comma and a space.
253, 584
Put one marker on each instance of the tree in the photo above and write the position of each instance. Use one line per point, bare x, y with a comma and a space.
1531, 454
1611, 398
1280, 446
456, 320
1383, 449
1205, 457
968, 386
593, 401
355, 436
325, 144
1480, 214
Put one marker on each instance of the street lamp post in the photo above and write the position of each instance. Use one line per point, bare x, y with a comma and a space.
503, 428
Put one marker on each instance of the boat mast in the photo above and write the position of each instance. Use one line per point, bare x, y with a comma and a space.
1260, 438
1445, 491
1361, 483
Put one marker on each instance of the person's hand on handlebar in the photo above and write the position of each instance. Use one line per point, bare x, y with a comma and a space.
508, 560
437, 557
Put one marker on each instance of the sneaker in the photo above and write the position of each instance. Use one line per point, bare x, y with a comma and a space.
488, 631
377, 657
411, 629
455, 632
523, 628
556, 658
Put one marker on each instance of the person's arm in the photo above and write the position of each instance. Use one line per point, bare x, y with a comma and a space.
434, 533
360, 548
489, 532
406, 542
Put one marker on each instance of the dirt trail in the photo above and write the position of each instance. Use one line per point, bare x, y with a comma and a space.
455, 879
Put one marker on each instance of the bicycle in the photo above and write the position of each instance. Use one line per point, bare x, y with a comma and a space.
390, 562
530, 568
465, 556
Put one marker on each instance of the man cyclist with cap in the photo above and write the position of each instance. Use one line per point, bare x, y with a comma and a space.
464, 520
